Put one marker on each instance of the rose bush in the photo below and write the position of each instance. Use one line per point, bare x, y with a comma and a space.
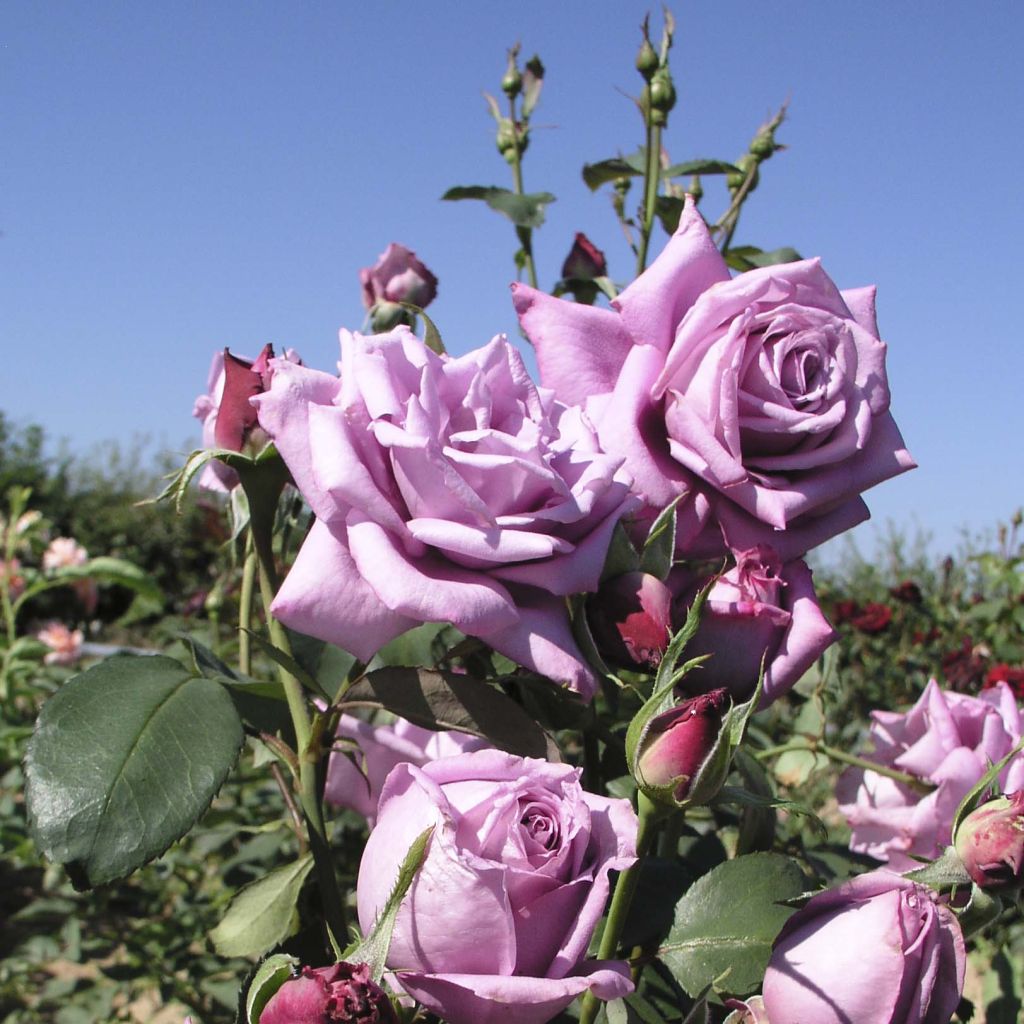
878, 949
947, 740
762, 398
444, 490
762, 608
356, 776
496, 924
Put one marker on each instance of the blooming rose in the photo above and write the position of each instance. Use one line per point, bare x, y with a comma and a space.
445, 490
397, 276
948, 740
66, 552
65, 645
761, 398
355, 779
497, 922
340, 994
761, 608
225, 412
878, 949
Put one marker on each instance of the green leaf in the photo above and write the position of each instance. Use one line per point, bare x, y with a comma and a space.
600, 173
622, 556
431, 335
289, 664
103, 570
373, 950
262, 913
269, 977
446, 700
524, 211
669, 209
747, 257
660, 545
124, 760
691, 167
717, 931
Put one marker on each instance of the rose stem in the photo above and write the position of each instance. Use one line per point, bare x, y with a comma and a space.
524, 234
245, 600
652, 172
625, 887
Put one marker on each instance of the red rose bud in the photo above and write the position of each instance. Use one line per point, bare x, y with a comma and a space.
342, 994
242, 380
585, 261
631, 619
679, 741
990, 842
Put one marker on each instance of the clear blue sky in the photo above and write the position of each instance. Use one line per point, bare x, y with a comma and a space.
183, 176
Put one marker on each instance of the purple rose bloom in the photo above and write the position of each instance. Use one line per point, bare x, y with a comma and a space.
761, 398
761, 608
355, 778
397, 276
496, 924
445, 490
947, 740
878, 949
340, 994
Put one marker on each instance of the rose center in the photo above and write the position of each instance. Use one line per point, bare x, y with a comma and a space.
540, 826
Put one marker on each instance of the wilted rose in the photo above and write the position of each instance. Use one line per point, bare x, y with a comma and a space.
765, 609
762, 399
990, 842
878, 949
341, 994
947, 740
630, 617
445, 490
355, 776
497, 922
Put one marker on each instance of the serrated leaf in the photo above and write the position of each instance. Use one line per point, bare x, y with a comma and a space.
446, 700
269, 977
597, 174
124, 760
525, 211
691, 167
262, 913
660, 545
373, 950
715, 931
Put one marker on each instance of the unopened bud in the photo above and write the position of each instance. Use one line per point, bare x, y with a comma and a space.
990, 842
512, 83
631, 619
647, 58
663, 91
696, 189
746, 164
679, 742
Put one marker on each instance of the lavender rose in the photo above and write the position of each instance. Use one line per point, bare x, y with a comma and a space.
762, 398
759, 609
445, 490
878, 949
496, 924
947, 740
356, 777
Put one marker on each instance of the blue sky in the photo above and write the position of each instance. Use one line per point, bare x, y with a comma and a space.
180, 177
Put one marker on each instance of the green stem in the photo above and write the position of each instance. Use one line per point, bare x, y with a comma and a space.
625, 888
524, 234
652, 175
245, 602
731, 218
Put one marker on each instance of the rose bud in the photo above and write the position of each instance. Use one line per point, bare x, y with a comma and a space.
584, 262
397, 276
749, 1011
342, 994
631, 619
990, 842
679, 742
242, 380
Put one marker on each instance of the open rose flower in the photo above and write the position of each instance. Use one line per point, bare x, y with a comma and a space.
762, 398
65, 644
445, 490
878, 949
496, 924
355, 776
762, 608
64, 553
227, 416
947, 740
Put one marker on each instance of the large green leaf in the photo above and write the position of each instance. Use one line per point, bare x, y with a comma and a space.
263, 913
727, 922
446, 700
597, 174
124, 760
524, 211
